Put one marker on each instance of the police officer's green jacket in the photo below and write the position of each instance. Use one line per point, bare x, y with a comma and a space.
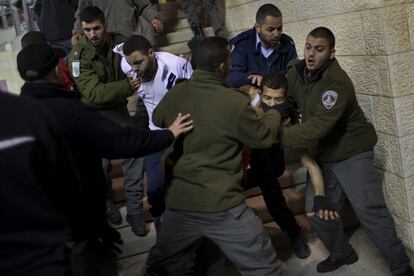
332, 122
100, 80
208, 171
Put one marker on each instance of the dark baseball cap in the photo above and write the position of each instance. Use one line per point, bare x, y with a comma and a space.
34, 37
35, 61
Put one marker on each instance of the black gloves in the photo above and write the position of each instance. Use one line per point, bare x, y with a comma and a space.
321, 203
323, 209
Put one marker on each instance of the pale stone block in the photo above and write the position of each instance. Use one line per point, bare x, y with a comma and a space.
405, 231
298, 32
234, 3
409, 184
395, 24
396, 195
385, 115
367, 106
387, 154
395, 2
364, 73
373, 32
288, 9
347, 29
241, 14
405, 115
318, 8
384, 76
402, 73
410, 15
407, 157
349, 33
241, 17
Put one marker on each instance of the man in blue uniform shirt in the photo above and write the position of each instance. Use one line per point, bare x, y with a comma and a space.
261, 50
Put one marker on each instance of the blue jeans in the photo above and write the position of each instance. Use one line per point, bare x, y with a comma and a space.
133, 172
156, 181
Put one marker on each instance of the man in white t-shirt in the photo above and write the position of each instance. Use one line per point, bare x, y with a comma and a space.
154, 74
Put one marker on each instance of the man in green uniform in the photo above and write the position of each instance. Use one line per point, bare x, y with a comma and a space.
335, 130
204, 197
102, 84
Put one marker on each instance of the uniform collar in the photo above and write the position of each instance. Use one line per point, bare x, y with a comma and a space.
302, 72
284, 43
311, 77
207, 76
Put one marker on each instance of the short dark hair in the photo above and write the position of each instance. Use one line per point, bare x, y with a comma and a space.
90, 14
275, 81
266, 10
323, 32
211, 52
136, 43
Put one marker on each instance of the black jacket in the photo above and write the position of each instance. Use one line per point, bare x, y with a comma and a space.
91, 137
38, 181
55, 18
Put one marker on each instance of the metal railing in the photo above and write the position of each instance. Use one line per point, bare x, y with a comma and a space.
12, 9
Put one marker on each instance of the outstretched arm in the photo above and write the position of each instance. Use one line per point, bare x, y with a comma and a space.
321, 205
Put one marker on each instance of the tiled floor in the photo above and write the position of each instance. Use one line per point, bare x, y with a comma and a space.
135, 252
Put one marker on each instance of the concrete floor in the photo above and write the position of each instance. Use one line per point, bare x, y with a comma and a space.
135, 252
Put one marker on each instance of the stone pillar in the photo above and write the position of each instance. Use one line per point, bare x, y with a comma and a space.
375, 45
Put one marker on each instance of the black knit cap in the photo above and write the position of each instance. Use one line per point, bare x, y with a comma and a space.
35, 61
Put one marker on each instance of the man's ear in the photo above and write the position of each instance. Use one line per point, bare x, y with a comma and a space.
332, 56
150, 52
221, 67
257, 27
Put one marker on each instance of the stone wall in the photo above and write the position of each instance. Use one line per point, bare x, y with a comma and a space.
10, 46
375, 45
8, 70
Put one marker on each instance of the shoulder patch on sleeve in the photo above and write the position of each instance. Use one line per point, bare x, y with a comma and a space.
329, 98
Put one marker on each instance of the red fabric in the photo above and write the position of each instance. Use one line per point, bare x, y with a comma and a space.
67, 79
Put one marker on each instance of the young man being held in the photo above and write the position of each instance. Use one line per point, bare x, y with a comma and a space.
155, 73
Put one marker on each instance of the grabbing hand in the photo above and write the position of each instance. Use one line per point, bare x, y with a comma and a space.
74, 39
323, 209
134, 83
256, 79
181, 125
157, 25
